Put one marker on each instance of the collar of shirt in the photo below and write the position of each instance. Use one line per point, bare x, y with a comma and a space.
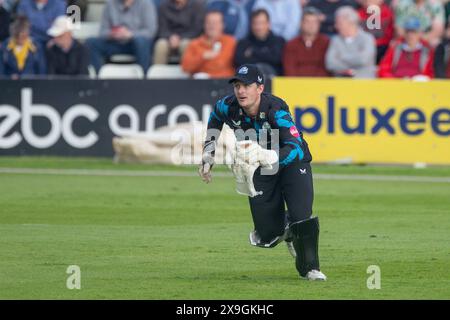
407, 48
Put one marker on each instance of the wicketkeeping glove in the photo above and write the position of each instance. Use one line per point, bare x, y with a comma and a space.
252, 153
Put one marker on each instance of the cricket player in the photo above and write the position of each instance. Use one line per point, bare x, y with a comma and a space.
250, 109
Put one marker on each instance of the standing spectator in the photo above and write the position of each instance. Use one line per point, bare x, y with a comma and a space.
179, 22
127, 27
261, 47
65, 55
211, 54
41, 14
385, 32
408, 57
352, 52
304, 56
235, 16
430, 14
19, 55
442, 57
328, 9
5, 20
284, 15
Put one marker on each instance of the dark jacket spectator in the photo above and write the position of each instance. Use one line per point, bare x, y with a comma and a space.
408, 57
442, 60
385, 32
328, 9
19, 54
41, 14
5, 20
261, 46
442, 57
179, 22
304, 56
285, 16
65, 55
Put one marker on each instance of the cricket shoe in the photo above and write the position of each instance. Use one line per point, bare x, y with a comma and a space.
315, 275
290, 246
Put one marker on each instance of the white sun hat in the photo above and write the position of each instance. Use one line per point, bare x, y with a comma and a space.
61, 24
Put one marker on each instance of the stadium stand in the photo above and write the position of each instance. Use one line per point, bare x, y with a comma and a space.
120, 71
166, 71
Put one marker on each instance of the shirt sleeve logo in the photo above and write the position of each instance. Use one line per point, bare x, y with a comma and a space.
294, 131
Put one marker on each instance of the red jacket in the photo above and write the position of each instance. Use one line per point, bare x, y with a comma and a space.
302, 61
385, 34
398, 63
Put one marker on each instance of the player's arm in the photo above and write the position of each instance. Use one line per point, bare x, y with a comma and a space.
215, 125
290, 141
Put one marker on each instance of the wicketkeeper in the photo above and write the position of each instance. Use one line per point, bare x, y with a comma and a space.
271, 166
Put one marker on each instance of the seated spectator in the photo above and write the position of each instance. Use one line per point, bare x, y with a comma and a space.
352, 52
284, 15
19, 54
408, 57
442, 57
235, 16
431, 16
261, 47
304, 56
5, 20
328, 9
127, 27
41, 14
179, 22
385, 32
65, 55
210, 55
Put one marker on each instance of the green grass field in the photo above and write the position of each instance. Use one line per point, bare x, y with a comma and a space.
177, 238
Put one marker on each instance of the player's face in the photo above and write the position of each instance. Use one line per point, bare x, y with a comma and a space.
247, 94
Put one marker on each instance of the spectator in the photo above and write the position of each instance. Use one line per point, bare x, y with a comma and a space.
41, 14
179, 22
127, 27
235, 16
19, 54
261, 47
352, 52
65, 55
408, 57
442, 57
382, 33
429, 12
304, 56
210, 55
328, 9
284, 15
5, 20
